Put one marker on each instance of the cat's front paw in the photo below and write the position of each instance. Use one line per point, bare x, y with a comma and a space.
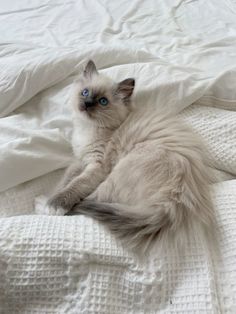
62, 202
43, 207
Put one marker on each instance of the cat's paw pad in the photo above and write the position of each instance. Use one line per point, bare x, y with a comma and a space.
43, 208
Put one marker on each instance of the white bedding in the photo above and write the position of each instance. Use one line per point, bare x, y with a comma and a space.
180, 52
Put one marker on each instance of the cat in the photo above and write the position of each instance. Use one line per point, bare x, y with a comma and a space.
141, 172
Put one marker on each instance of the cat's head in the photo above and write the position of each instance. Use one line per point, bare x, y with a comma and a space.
101, 100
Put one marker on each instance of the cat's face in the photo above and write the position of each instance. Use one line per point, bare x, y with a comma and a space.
100, 100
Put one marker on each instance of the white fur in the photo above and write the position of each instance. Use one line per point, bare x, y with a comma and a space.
141, 171
42, 208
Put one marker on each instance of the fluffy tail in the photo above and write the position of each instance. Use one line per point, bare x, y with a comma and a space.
182, 208
138, 231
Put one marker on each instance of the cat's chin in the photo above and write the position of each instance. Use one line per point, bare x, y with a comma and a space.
83, 109
86, 115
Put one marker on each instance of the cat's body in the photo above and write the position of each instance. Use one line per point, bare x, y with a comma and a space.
141, 172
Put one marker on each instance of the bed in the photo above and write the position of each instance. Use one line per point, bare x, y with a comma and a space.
183, 56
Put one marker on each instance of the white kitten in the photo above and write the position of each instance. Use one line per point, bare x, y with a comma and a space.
138, 170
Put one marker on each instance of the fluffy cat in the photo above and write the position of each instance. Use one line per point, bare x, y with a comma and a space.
140, 171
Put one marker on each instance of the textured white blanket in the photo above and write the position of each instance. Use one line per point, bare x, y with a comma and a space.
180, 52
73, 265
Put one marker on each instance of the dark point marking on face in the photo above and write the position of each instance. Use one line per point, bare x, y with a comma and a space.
90, 101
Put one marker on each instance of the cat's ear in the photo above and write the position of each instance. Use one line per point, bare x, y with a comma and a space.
90, 69
125, 88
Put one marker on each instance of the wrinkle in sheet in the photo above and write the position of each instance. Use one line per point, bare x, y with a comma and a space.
148, 40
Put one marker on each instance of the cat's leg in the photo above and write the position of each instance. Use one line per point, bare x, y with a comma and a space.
42, 203
78, 188
73, 171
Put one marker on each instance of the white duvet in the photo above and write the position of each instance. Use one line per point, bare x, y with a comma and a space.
183, 56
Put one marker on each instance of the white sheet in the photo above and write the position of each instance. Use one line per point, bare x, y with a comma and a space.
180, 52
44, 43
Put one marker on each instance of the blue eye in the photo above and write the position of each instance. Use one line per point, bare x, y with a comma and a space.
103, 101
85, 92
